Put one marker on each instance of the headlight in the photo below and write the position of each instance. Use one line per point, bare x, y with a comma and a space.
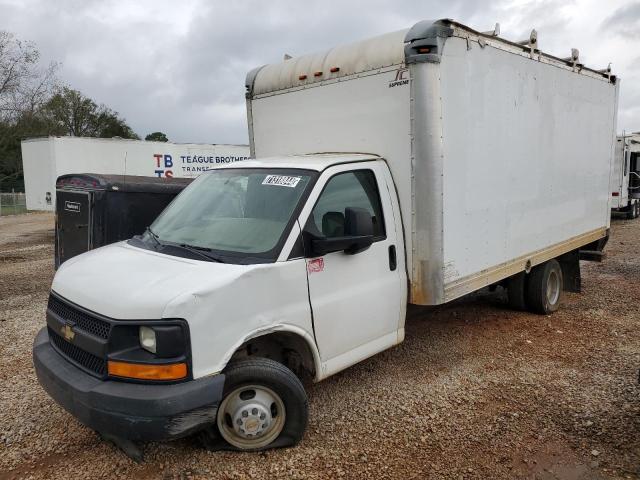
148, 339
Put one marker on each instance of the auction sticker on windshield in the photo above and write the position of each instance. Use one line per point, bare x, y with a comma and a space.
281, 180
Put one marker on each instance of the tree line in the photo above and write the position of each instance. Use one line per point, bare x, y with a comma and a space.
33, 103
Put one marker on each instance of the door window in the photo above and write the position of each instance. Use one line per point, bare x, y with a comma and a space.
349, 189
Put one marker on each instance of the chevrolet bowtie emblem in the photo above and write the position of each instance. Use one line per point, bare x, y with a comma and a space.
67, 333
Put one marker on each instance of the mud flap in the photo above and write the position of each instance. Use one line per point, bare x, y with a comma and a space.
570, 264
129, 448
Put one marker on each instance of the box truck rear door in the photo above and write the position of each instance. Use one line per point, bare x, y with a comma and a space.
73, 225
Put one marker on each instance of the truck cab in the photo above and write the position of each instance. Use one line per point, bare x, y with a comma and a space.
266, 261
625, 189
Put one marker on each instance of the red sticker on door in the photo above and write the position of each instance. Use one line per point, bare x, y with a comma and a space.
316, 265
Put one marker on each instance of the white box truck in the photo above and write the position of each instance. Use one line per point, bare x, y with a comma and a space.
45, 159
625, 182
461, 160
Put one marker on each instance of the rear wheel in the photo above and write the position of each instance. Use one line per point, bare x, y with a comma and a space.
516, 291
264, 405
544, 288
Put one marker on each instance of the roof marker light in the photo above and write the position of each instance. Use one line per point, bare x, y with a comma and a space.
302, 77
317, 74
335, 69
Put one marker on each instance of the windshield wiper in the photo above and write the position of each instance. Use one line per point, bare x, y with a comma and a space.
154, 236
202, 251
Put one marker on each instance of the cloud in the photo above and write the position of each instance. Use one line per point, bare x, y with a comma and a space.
179, 67
625, 21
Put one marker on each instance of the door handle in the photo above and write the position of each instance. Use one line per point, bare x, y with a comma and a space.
393, 260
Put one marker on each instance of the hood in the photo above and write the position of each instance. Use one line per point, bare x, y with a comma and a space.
129, 283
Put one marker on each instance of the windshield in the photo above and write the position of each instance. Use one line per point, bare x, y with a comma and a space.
237, 211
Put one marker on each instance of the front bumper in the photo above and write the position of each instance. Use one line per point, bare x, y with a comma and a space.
138, 412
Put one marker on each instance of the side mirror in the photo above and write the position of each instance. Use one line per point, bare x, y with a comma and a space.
358, 234
357, 222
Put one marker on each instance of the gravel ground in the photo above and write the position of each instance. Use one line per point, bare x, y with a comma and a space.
476, 391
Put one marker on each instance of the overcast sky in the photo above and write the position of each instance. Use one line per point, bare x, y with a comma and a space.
179, 66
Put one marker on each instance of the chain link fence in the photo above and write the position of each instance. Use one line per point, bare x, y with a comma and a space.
13, 203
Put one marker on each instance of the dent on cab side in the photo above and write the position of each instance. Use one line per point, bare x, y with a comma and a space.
262, 311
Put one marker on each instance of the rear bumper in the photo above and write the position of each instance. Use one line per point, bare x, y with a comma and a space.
138, 412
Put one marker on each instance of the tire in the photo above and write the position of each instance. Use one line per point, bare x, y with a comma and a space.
516, 291
259, 390
544, 288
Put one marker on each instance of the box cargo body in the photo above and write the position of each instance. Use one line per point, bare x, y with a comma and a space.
501, 154
45, 159
625, 181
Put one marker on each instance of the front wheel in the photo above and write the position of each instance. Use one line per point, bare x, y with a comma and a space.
264, 405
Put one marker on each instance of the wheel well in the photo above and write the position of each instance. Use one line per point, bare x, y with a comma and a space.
286, 348
570, 265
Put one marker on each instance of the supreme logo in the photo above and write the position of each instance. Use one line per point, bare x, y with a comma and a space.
402, 78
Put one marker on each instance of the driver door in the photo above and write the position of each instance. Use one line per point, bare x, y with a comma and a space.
355, 298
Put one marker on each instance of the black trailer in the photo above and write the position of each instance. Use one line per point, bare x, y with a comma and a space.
94, 210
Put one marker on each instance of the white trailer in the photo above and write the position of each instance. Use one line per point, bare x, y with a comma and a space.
461, 160
45, 159
625, 181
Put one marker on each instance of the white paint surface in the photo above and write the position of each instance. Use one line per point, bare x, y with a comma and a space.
495, 153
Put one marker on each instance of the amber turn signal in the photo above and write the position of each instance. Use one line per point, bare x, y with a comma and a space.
172, 371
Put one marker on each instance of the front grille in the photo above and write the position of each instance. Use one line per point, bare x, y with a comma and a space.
84, 359
80, 319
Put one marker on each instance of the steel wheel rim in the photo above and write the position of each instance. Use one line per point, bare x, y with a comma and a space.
553, 287
251, 417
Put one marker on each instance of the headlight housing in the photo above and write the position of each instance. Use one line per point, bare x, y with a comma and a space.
148, 339
152, 350
163, 341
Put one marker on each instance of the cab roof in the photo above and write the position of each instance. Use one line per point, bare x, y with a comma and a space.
315, 161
